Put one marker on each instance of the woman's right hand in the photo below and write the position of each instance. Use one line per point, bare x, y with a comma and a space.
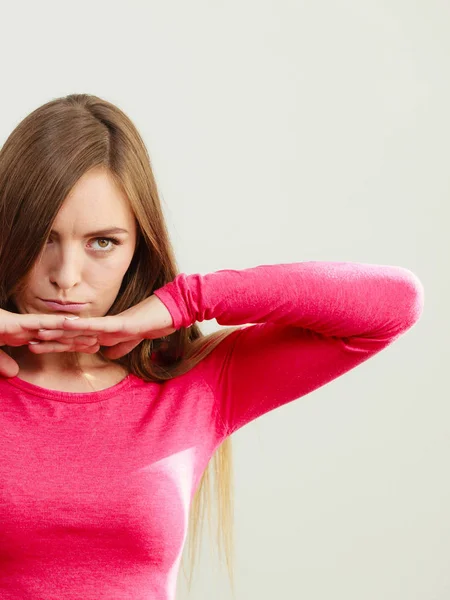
18, 329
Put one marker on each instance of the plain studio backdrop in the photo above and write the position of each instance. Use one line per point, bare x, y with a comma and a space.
279, 132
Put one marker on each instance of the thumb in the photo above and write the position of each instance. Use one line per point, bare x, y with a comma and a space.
8, 366
121, 349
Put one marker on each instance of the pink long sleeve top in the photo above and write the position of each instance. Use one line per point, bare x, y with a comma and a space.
95, 488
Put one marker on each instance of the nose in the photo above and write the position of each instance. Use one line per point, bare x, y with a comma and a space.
65, 269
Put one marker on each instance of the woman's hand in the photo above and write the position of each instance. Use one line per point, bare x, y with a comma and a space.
150, 319
18, 329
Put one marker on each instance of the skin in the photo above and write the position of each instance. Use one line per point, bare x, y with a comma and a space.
79, 268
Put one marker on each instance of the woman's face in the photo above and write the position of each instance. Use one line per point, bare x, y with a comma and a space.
78, 265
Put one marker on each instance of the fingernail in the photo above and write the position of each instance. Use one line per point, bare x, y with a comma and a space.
71, 318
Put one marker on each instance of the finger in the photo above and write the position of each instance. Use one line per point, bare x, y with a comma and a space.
54, 334
120, 350
44, 349
89, 349
83, 340
106, 324
38, 321
8, 366
110, 324
53, 346
65, 336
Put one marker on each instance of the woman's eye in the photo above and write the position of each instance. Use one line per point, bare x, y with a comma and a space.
105, 244
111, 241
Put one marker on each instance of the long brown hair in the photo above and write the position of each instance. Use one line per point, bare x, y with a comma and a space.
40, 162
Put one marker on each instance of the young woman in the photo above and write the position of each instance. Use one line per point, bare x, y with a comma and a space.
114, 404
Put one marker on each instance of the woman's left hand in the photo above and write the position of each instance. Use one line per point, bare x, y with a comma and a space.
150, 319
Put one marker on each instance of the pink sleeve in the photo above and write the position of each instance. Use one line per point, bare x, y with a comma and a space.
311, 322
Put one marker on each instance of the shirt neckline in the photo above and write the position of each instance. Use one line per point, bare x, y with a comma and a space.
75, 397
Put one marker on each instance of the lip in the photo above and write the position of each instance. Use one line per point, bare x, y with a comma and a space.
60, 301
64, 307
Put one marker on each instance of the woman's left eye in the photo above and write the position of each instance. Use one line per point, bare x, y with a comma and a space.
114, 241
103, 249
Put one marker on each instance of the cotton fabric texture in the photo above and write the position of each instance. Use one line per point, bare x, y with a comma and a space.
95, 488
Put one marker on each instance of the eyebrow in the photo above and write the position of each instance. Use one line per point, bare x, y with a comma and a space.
106, 231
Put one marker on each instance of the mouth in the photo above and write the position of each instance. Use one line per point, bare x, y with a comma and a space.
65, 307
60, 302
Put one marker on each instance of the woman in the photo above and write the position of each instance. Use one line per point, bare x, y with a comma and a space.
111, 419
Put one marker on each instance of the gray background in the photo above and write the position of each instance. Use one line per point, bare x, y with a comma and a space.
279, 132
